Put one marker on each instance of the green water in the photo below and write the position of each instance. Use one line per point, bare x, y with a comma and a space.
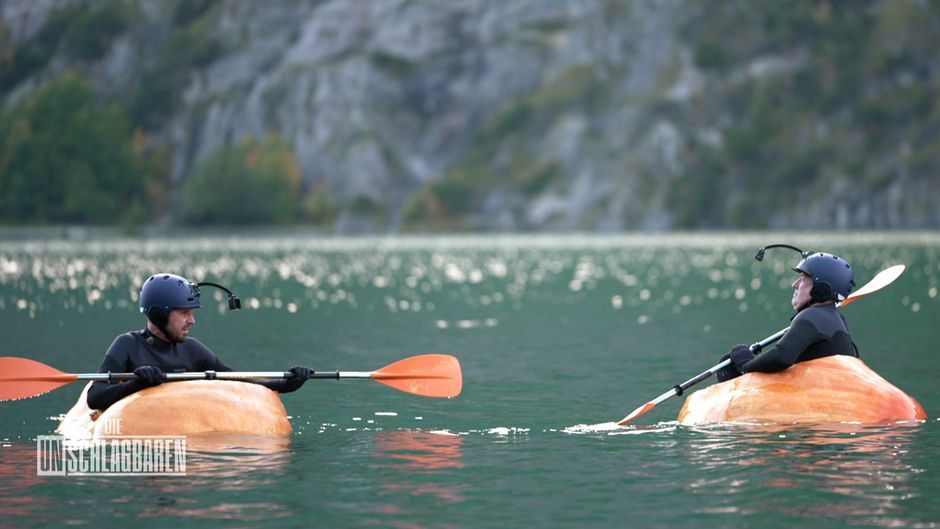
552, 333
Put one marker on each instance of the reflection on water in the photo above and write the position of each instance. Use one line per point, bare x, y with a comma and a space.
238, 459
411, 460
17, 478
836, 470
795, 475
221, 463
418, 450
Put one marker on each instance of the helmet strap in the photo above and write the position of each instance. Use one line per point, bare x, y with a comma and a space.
820, 293
160, 319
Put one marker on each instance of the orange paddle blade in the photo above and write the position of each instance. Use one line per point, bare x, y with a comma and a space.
636, 413
883, 279
22, 378
433, 375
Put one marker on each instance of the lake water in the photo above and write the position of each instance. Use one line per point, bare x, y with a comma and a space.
553, 333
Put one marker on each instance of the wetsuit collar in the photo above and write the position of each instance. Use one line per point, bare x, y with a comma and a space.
811, 305
154, 340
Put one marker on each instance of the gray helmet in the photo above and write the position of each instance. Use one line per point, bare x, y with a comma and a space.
161, 293
833, 278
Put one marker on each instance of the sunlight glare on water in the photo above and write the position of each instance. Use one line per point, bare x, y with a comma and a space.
557, 337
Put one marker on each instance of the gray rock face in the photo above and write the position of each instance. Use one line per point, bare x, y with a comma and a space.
380, 98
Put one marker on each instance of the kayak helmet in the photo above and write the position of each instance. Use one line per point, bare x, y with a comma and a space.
833, 278
161, 293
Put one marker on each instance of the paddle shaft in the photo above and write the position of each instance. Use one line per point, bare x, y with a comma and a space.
679, 389
428, 375
224, 375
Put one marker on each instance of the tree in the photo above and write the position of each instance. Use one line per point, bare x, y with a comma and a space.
66, 158
251, 182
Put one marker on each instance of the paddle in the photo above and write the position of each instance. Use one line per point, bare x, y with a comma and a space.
432, 375
883, 279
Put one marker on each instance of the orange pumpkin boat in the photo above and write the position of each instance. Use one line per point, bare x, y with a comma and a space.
834, 389
181, 408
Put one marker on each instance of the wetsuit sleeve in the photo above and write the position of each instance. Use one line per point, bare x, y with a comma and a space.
102, 394
801, 335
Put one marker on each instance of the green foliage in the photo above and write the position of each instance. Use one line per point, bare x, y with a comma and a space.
392, 63
252, 182
710, 55
82, 33
319, 206
365, 205
836, 34
91, 32
19, 63
189, 46
188, 11
426, 209
448, 198
154, 100
696, 197
536, 177
65, 158
858, 87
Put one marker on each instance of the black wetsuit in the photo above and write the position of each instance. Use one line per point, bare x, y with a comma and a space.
141, 348
815, 332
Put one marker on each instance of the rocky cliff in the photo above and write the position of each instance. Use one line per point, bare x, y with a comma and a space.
537, 114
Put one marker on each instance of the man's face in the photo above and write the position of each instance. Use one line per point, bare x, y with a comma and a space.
801, 291
180, 321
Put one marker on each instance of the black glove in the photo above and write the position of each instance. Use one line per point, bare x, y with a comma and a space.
740, 354
149, 376
728, 372
300, 375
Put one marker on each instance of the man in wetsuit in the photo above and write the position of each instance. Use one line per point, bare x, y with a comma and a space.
165, 346
818, 328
